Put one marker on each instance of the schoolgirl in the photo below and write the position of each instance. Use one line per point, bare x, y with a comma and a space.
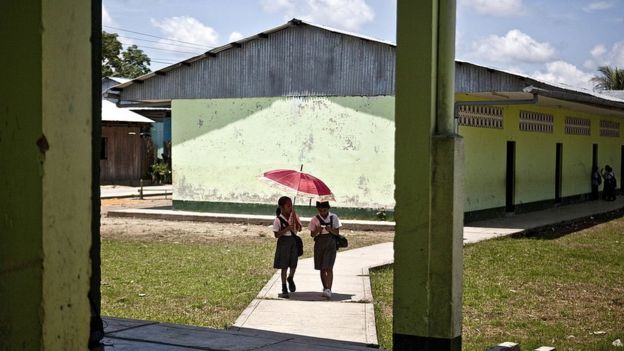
322, 227
285, 227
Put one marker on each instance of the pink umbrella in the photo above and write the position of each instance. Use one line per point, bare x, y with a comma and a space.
304, 184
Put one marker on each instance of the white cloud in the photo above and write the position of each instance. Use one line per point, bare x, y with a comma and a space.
106, 18
513, 47
234, 36
344, 14
598, 50
603, 57
496, 7
186, 29
565, 73
274, 6
598, 6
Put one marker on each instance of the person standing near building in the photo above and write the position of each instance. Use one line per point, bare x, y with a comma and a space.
285, 227
610, 183
322, 228
596, 180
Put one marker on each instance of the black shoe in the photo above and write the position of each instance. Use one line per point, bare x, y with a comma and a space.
284, 293
291, 284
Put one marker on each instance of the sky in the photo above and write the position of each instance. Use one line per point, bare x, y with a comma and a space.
560, 41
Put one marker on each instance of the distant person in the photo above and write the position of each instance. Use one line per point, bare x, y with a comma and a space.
596, 180
610, 183
322, 228
285, 227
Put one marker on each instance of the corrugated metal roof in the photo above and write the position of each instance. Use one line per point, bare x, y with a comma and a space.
297, 60
235, 44
112, 113
313, 63
119, 80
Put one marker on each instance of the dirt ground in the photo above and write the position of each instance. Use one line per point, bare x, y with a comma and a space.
187, 231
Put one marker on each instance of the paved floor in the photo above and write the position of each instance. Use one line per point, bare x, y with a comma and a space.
309, 322
119, 191
135, 335
349, 314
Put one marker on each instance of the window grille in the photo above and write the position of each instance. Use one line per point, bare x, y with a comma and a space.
536, 122
577, 126
481, 116
609, 129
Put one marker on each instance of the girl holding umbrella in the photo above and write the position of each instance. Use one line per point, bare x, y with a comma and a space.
285, 227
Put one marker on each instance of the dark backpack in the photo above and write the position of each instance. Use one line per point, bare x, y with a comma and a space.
298, 241
341, 241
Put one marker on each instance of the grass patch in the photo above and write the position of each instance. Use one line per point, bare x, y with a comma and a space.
198, 279
535, 292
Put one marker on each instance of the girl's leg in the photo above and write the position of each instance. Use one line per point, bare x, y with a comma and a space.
326, 278
284, 289
291, 281
284, 274
329, 278
322, 271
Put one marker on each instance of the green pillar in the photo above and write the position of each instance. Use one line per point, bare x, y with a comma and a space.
429, 181
45, 167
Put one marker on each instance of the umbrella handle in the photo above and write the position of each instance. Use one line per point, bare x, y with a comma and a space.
295, 197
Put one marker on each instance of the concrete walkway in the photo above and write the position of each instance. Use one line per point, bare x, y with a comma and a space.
346, 322
120, 191
349, 314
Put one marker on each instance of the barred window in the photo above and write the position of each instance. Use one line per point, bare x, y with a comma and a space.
609, 129
577, 126
536, 122
481, 116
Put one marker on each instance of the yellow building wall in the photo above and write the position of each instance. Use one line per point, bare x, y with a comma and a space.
45, 138
486, 152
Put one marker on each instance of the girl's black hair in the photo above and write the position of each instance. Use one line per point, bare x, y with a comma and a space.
281, 202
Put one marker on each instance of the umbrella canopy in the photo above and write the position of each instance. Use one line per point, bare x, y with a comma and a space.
304, 184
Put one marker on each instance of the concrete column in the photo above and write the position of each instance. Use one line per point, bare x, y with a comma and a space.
429, 181
45, 167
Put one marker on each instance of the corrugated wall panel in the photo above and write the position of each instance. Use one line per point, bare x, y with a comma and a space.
303, 60
297, 61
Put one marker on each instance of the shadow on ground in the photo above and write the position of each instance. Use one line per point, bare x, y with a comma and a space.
137, 335
317, 296
557, 230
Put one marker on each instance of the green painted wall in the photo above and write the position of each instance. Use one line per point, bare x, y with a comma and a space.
45, 218
20, 170
485, 152
66, 178
221, 146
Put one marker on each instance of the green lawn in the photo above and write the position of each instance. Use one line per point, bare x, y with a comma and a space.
207, 283
567, 292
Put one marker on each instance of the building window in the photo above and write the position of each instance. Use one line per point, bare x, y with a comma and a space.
609, 129
536, 122
481, 116
577, 126
104, 149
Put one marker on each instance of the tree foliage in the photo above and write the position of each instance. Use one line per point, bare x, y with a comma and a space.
609, 78
116, 62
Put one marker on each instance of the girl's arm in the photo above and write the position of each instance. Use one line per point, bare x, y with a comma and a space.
283, 231
330, 228
334, 231
315, 229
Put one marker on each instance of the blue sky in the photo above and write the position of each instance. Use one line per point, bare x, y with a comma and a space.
562, 41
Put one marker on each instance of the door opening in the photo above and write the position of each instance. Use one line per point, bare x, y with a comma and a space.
558, 171
510, 176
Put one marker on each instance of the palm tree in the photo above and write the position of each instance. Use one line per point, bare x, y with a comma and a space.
610, 79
